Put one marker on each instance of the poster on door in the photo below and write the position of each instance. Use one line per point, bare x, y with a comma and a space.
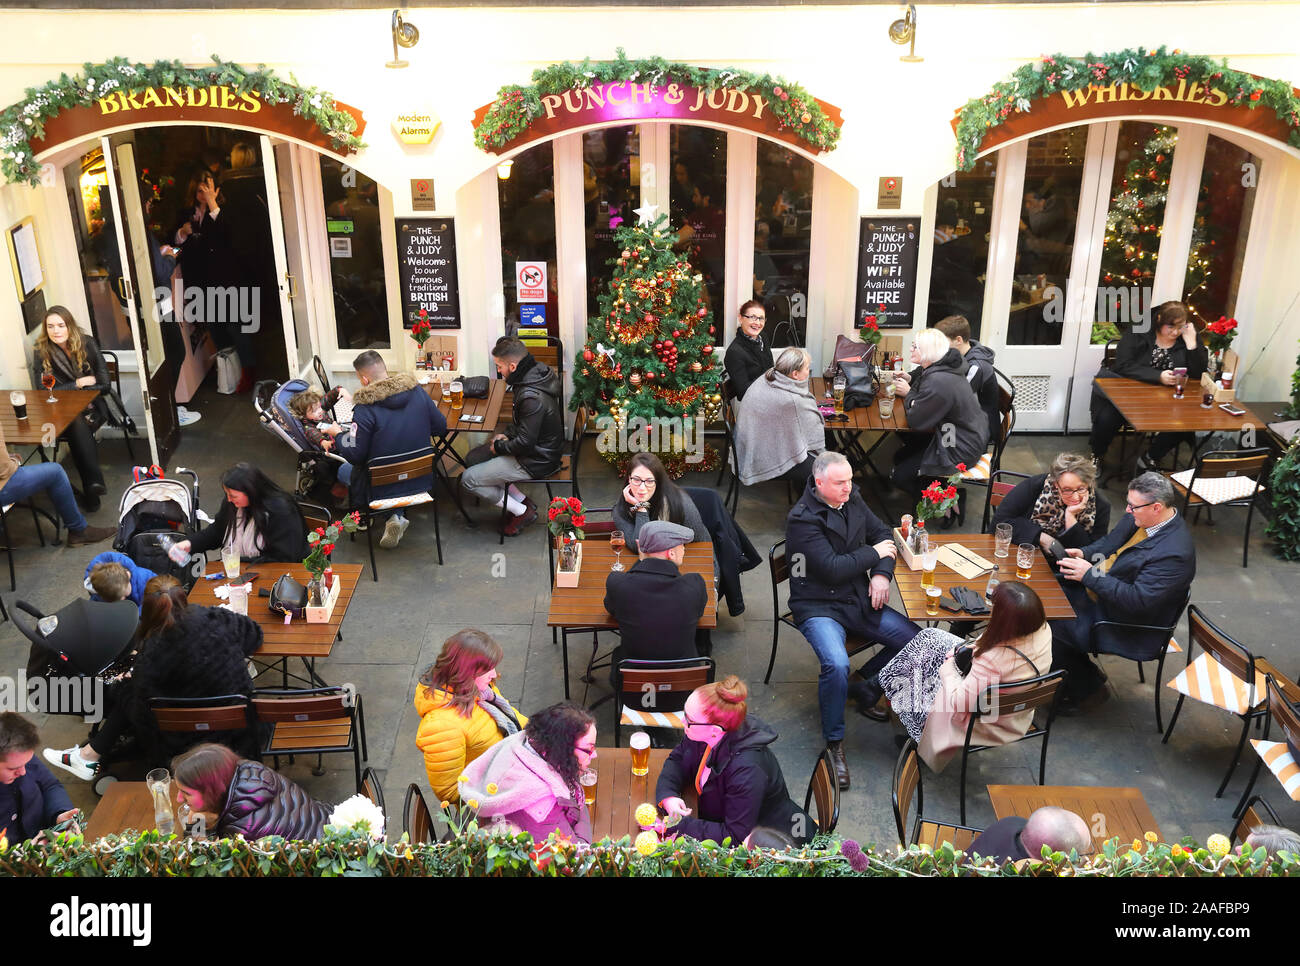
530, 279
887, 251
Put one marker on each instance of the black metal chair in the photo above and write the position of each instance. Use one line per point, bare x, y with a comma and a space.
1137, 642
124, 420
417, 820
1006, 426
824, 790
566, 475
373, 788
1281, 720
1224, 478
8, 540
906, 785
313, 721
1257, 812
1014, 697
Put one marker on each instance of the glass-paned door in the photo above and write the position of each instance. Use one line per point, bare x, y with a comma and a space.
783, 241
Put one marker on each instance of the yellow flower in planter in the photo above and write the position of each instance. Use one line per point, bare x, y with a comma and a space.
444, 804
646, 815
1177, 852
1137, 845
1218, 845
646, 843
1151, 837
491, 788
463, 778
473, 803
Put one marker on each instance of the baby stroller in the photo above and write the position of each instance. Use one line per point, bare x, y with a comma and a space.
317, 469
79, 651
152, 514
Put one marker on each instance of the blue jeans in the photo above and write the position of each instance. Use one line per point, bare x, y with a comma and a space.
29, 480
827, 636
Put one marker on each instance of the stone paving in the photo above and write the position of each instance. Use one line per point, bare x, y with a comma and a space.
395, 628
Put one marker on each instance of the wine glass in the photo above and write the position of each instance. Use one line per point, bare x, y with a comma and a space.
47, 380
617, 542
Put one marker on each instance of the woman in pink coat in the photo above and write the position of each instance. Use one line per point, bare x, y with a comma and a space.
1016, 646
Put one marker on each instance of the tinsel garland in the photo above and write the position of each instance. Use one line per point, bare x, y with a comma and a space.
25, 120
674, 462
1142, 68
516, 107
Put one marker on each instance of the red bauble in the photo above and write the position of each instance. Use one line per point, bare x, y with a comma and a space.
649, 375
668, 343
648, 319
588, 355
658, 346
677, 334
711, 330
708, 349
702, 312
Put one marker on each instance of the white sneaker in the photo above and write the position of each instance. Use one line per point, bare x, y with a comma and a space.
393, 531
187, 417
72, 761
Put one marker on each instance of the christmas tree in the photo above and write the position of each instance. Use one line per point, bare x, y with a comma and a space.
649, 355
1134, 224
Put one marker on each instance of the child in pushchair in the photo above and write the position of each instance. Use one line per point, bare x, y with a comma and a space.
311, 409
318, 469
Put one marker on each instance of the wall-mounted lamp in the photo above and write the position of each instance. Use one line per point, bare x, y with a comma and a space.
404, 35
503, 169
904, 32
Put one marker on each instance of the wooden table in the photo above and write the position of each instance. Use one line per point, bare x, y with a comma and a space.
281, 641
619, 792
125, 805
1109, 812
583, 607
864, 417
32, 430
489, 408
1153, 409
1042, 579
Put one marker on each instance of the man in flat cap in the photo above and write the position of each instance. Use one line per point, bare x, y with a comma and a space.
657, 607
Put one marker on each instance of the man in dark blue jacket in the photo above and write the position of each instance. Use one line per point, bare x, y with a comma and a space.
31, 798
1139, 573
395, 420
841, 560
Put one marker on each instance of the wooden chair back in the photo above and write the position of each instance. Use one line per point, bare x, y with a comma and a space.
824, 792
1013, 697
1227, 463
316, 704
1257, 812
110, 363
413, 469
1001, 482
373, 789
417, 821
314, 515
1223, 648
228, 712
778, 564
663, 678
906, 784
1282, 714
548, 354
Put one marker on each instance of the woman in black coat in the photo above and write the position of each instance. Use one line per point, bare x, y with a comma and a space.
257, 518
1171, 342
246, 797
748, 357
725, 756
187, 652
75, 360
1061, 504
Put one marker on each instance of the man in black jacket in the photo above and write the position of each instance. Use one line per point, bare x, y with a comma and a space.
841, 560
532, 446
979, 369
1139, 573
657, 607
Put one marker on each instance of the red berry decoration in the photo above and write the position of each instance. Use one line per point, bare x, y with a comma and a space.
677, 333
668, 343
649, 375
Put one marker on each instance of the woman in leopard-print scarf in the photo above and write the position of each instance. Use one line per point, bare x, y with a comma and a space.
1063, 504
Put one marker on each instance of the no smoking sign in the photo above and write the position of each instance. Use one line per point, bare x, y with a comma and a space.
531, 278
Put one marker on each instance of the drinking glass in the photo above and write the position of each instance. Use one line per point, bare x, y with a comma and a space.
446, 388
1207, 399
47, 380
159, 782
1180, 382
457, 395
617, 541
1002, 540
640, 745
928, 562
932, 595
239, 598
838, 385
230, 560
1024, 560
18, 399
588, 782
885, 402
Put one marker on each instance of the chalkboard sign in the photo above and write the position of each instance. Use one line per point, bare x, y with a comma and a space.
887, 250
426, 267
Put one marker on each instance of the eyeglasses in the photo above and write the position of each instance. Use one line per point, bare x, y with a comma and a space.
1141, 506
755, 318
585, 751
1073, 491
641, 481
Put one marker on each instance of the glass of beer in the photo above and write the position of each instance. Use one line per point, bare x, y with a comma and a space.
1024, 560
640, 745
1002, 540
457, 395
446, 388
932, 595
18, 399
885, 402
588, 782
838, 385
928, 562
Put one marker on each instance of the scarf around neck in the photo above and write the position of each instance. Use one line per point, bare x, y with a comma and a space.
1049, 510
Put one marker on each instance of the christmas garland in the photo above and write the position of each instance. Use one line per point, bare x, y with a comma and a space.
25, 120
1142, 68
517, 107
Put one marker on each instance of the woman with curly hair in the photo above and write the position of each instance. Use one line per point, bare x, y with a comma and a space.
75, 360
462, 714
530, 780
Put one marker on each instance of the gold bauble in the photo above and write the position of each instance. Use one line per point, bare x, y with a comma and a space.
695, 367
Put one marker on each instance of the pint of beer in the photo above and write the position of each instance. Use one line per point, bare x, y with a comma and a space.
932, 595
457, 395
588, 781
838, 385
18, 399
640, 745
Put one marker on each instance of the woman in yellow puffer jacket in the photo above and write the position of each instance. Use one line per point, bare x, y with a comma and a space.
462, 714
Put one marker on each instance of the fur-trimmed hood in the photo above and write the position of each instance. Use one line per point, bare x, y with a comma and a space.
377, 392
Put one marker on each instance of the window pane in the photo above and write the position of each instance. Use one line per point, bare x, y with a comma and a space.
1144, 156
782, 239
101, 261
1223, 209
611, 175
698, 205
961, 244
351, 203
527, 206
1048, 211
